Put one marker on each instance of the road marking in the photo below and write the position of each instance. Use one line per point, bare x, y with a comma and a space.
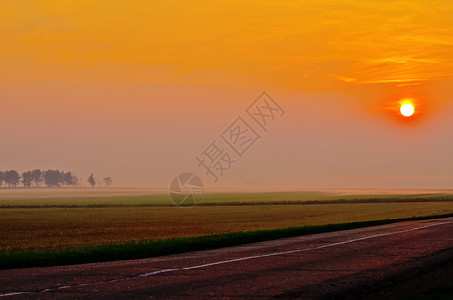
223, 261
288, 252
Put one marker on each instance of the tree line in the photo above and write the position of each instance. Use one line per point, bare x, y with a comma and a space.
49, 178
35, 178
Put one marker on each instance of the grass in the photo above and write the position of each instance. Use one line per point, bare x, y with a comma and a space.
104, 198
66, 224
171, 246
61, 228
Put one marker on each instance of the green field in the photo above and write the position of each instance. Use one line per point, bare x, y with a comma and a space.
80, 197
49, 220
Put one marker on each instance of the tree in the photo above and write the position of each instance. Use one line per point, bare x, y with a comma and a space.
36, 177
75, 180
107, 181
12, 178
52, 178
91, 180
27, 179
69, 179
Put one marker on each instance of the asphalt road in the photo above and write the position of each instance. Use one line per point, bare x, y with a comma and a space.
355, 264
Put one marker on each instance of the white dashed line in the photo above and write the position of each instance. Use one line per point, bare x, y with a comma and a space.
224, 261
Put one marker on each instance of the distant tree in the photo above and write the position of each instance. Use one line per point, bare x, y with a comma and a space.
69, 179
12, 178
107, 181
75, 180
52, 178
36, 177
2, 177
91, 180
27, 179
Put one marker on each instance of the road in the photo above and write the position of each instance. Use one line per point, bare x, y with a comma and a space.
354, 264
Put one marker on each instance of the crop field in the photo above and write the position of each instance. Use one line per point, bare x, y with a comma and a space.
51, 220
80, 197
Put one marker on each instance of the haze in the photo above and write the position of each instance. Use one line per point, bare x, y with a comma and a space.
136, 92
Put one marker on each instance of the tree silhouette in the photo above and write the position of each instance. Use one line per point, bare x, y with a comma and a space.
69, 179
107, 181
91, 180
52, 178
27, 179
36, 177
75, 180
12, 178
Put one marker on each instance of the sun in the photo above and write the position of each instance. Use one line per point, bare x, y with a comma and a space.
407, 110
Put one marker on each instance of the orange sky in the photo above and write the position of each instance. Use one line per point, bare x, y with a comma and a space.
136, 90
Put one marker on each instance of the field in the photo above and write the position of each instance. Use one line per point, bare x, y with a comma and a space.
43, 219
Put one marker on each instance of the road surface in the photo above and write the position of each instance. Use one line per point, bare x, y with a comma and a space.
366, 262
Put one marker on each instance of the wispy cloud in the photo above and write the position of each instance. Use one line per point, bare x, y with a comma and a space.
348, 41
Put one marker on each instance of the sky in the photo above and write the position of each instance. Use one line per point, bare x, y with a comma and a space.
137, 90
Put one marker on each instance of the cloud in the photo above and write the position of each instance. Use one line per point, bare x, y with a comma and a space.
353, 42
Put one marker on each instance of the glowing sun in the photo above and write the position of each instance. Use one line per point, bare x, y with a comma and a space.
407, 110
